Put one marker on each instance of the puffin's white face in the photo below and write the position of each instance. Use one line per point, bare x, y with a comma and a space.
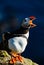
25, 22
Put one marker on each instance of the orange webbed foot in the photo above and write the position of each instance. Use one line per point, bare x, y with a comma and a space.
16, 57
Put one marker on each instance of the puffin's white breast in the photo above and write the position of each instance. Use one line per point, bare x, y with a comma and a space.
18, 44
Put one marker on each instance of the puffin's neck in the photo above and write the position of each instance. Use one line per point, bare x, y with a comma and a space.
24, 30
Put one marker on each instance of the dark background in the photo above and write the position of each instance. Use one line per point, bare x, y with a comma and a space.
22, 9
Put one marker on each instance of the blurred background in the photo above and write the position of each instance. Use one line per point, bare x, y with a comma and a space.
22, 9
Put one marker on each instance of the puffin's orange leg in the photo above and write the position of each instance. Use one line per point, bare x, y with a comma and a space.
20, 58
16, 57
12, 60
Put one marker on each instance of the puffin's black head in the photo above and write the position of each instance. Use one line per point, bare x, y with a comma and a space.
28, 22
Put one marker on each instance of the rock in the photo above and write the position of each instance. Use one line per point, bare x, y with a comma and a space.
5, 57
29, 62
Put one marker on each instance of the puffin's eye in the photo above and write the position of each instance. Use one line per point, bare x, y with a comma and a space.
25, 20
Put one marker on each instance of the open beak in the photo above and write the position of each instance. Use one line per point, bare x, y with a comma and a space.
32, 24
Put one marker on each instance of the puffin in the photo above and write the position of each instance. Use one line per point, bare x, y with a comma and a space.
17, 40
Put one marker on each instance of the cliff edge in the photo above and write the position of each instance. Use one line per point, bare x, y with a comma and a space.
5, 58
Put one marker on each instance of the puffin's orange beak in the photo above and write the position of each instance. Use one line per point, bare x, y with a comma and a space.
31, 21
32, 24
